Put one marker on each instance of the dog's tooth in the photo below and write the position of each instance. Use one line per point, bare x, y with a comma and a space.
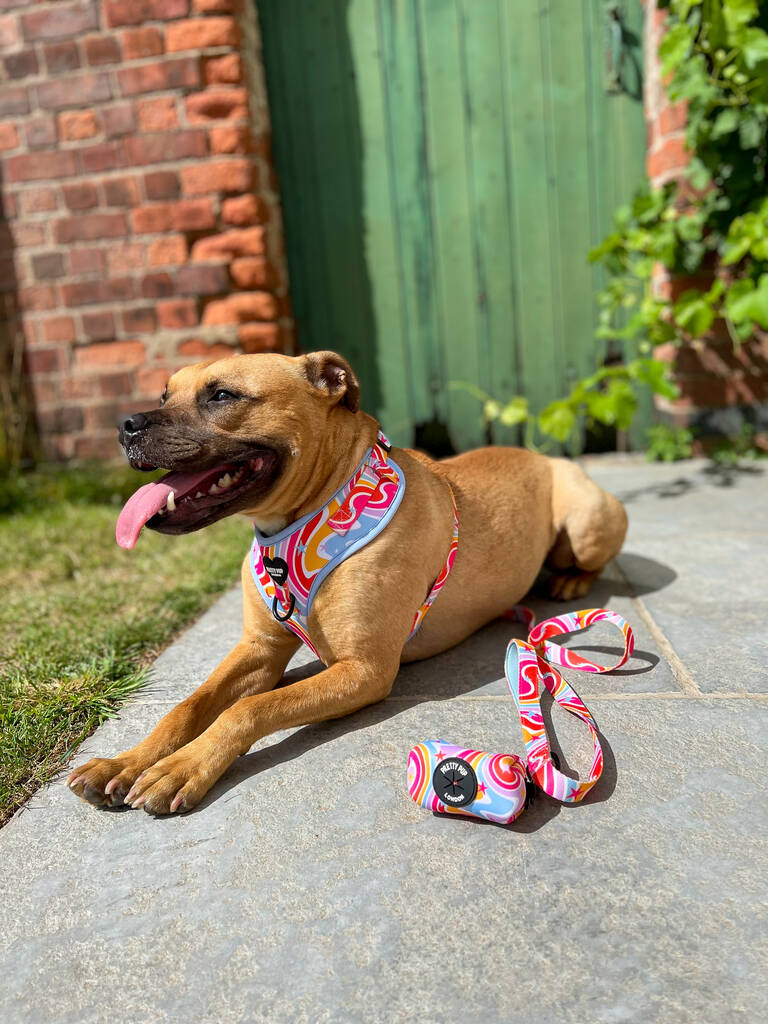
225, 481
213, 489
199, 494
171, 502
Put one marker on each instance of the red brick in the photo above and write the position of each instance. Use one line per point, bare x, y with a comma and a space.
197, 348
121, 191
134, 12
156, 286
226, 70
92, 446
139, 321
44, 392
13, 101
672, 156
80, 90
37, 297
104, 156
126, 258
198, 33
142, 42
27, 234
117, 385
673, 117
48, 266
237, 242
86, 293
41, 132
162, 185
81, 196
9, 205
213, 6
112, 353
155, 149
217, 104
180, 73
177, 313
9, 136
259, 338
98, 326
186, 215
86, 261
78, 124
118, 120
61, 420
251, 272
9, 31
221, 176
40, 166
76, 387
202, 280
59, 22
21, 65
240, 308
94, 225
231, 138
45, 360
59, 328
158, 115
242, 210
151, 382
39, 200
168, 251
60, 57
101, 50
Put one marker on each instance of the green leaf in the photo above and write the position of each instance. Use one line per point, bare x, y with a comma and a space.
754, 46
492, 409
693, 312
514, 412
752, 132
675, 47
751, 305
738, 13
726, 122
557, 420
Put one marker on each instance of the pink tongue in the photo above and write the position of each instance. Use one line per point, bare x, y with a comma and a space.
150, 498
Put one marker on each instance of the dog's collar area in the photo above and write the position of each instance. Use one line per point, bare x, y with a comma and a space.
288, 568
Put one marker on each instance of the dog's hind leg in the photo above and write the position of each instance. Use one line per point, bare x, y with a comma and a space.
591, 525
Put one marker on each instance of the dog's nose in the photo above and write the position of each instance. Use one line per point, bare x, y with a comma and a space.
134, 424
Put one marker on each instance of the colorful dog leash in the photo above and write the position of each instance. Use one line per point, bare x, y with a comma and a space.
453, 780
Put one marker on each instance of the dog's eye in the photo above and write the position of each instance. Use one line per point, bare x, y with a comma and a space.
220, 395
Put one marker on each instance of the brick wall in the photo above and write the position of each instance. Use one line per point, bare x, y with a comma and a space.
721, 387
142, 227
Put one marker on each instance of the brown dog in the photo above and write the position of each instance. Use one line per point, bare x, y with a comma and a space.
290, 432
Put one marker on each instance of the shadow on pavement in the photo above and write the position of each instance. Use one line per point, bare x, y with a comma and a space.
485, 650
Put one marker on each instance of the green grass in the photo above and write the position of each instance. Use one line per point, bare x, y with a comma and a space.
80, 618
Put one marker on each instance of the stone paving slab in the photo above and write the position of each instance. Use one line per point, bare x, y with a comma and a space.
307, 886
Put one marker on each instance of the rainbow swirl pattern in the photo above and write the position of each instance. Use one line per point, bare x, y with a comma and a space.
527, 665
501, 778
500, 781
312, 547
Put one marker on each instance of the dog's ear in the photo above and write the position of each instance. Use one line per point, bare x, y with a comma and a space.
328, 372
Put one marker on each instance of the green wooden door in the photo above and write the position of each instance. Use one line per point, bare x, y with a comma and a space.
445, 167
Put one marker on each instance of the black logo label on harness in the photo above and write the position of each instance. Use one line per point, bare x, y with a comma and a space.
277, 569
455, 782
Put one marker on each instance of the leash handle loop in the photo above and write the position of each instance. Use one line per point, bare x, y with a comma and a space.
529, 664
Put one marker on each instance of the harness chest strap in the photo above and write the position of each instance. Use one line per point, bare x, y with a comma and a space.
288, 568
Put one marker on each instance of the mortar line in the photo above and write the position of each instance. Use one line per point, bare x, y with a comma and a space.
679, 671
596, 696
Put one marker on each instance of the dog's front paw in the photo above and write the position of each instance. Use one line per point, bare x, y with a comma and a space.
177, 783
567, 586
105, 781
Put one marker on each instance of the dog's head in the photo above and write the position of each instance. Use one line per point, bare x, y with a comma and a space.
229, 431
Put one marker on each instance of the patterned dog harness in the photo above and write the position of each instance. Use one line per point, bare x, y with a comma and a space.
289, 567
